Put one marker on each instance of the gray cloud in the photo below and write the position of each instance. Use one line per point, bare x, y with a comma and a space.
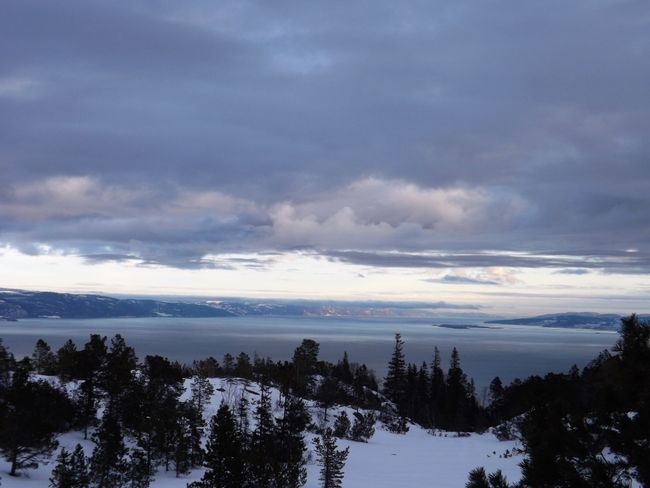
171, 131
573, 271
461, 280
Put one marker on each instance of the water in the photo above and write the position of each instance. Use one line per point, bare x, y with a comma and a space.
506, 351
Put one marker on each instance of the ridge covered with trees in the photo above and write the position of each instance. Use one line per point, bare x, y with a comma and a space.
583, 428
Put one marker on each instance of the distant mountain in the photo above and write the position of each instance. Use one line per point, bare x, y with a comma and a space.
569, 320
19, 304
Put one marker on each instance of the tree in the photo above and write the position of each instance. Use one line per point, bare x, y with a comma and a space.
6, 365
394, 383
43, 359
305, 358
330, 459
224, 453
292, 472
342, 425
479, 479
139, 472
108, 464
437, 391
71, 470
363, 427
67, 358
202, 391
31, 415
263, 443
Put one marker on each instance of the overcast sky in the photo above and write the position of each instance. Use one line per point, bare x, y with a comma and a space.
494, 154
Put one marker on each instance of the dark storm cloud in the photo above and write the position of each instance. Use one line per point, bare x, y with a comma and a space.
169, 131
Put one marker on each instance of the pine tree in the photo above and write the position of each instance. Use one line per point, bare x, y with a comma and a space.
139, 471
242, 415
31, 414
202, 391
263, 445
67, 358
43, 359
305, 358
394, 383
363, 427
342, 425
437, 391
291, 468
108, 463
331, 460
477, 479
71, 470
6, 365
224, 456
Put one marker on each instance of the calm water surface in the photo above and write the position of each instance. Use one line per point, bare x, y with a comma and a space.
506, 351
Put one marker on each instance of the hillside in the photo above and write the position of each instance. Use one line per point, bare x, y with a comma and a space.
388, 460
569, 320
20, 304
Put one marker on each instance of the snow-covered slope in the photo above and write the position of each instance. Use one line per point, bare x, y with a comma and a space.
416, 459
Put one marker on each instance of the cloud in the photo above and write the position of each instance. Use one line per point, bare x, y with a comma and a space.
461, 280
573, 271
439, 135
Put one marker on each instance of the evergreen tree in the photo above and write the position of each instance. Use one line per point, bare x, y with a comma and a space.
477, 479
31, 414
224, 452
71, 470
6, 365
242, 415
394, 383
342, 425
67, 358
292, 472
202, 391
43, 359
91, 363
108, 463
363, 427
139, 472
331, 460
437, 392
305, 358
263, 445
118, 371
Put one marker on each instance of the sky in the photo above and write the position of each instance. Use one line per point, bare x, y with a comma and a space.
491, 155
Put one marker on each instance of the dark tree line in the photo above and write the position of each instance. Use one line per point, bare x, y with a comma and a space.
427, 396
136, 415
588, 428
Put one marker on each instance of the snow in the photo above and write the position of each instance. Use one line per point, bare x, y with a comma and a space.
416, 459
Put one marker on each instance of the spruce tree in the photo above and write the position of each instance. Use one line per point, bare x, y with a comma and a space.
224, 452
394, 383
330, 459
291, 468
263, 446
71, 470
437, 391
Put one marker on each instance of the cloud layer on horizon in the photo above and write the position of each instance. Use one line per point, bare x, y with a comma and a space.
421, 134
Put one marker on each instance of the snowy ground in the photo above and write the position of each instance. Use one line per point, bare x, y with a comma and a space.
413, 460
